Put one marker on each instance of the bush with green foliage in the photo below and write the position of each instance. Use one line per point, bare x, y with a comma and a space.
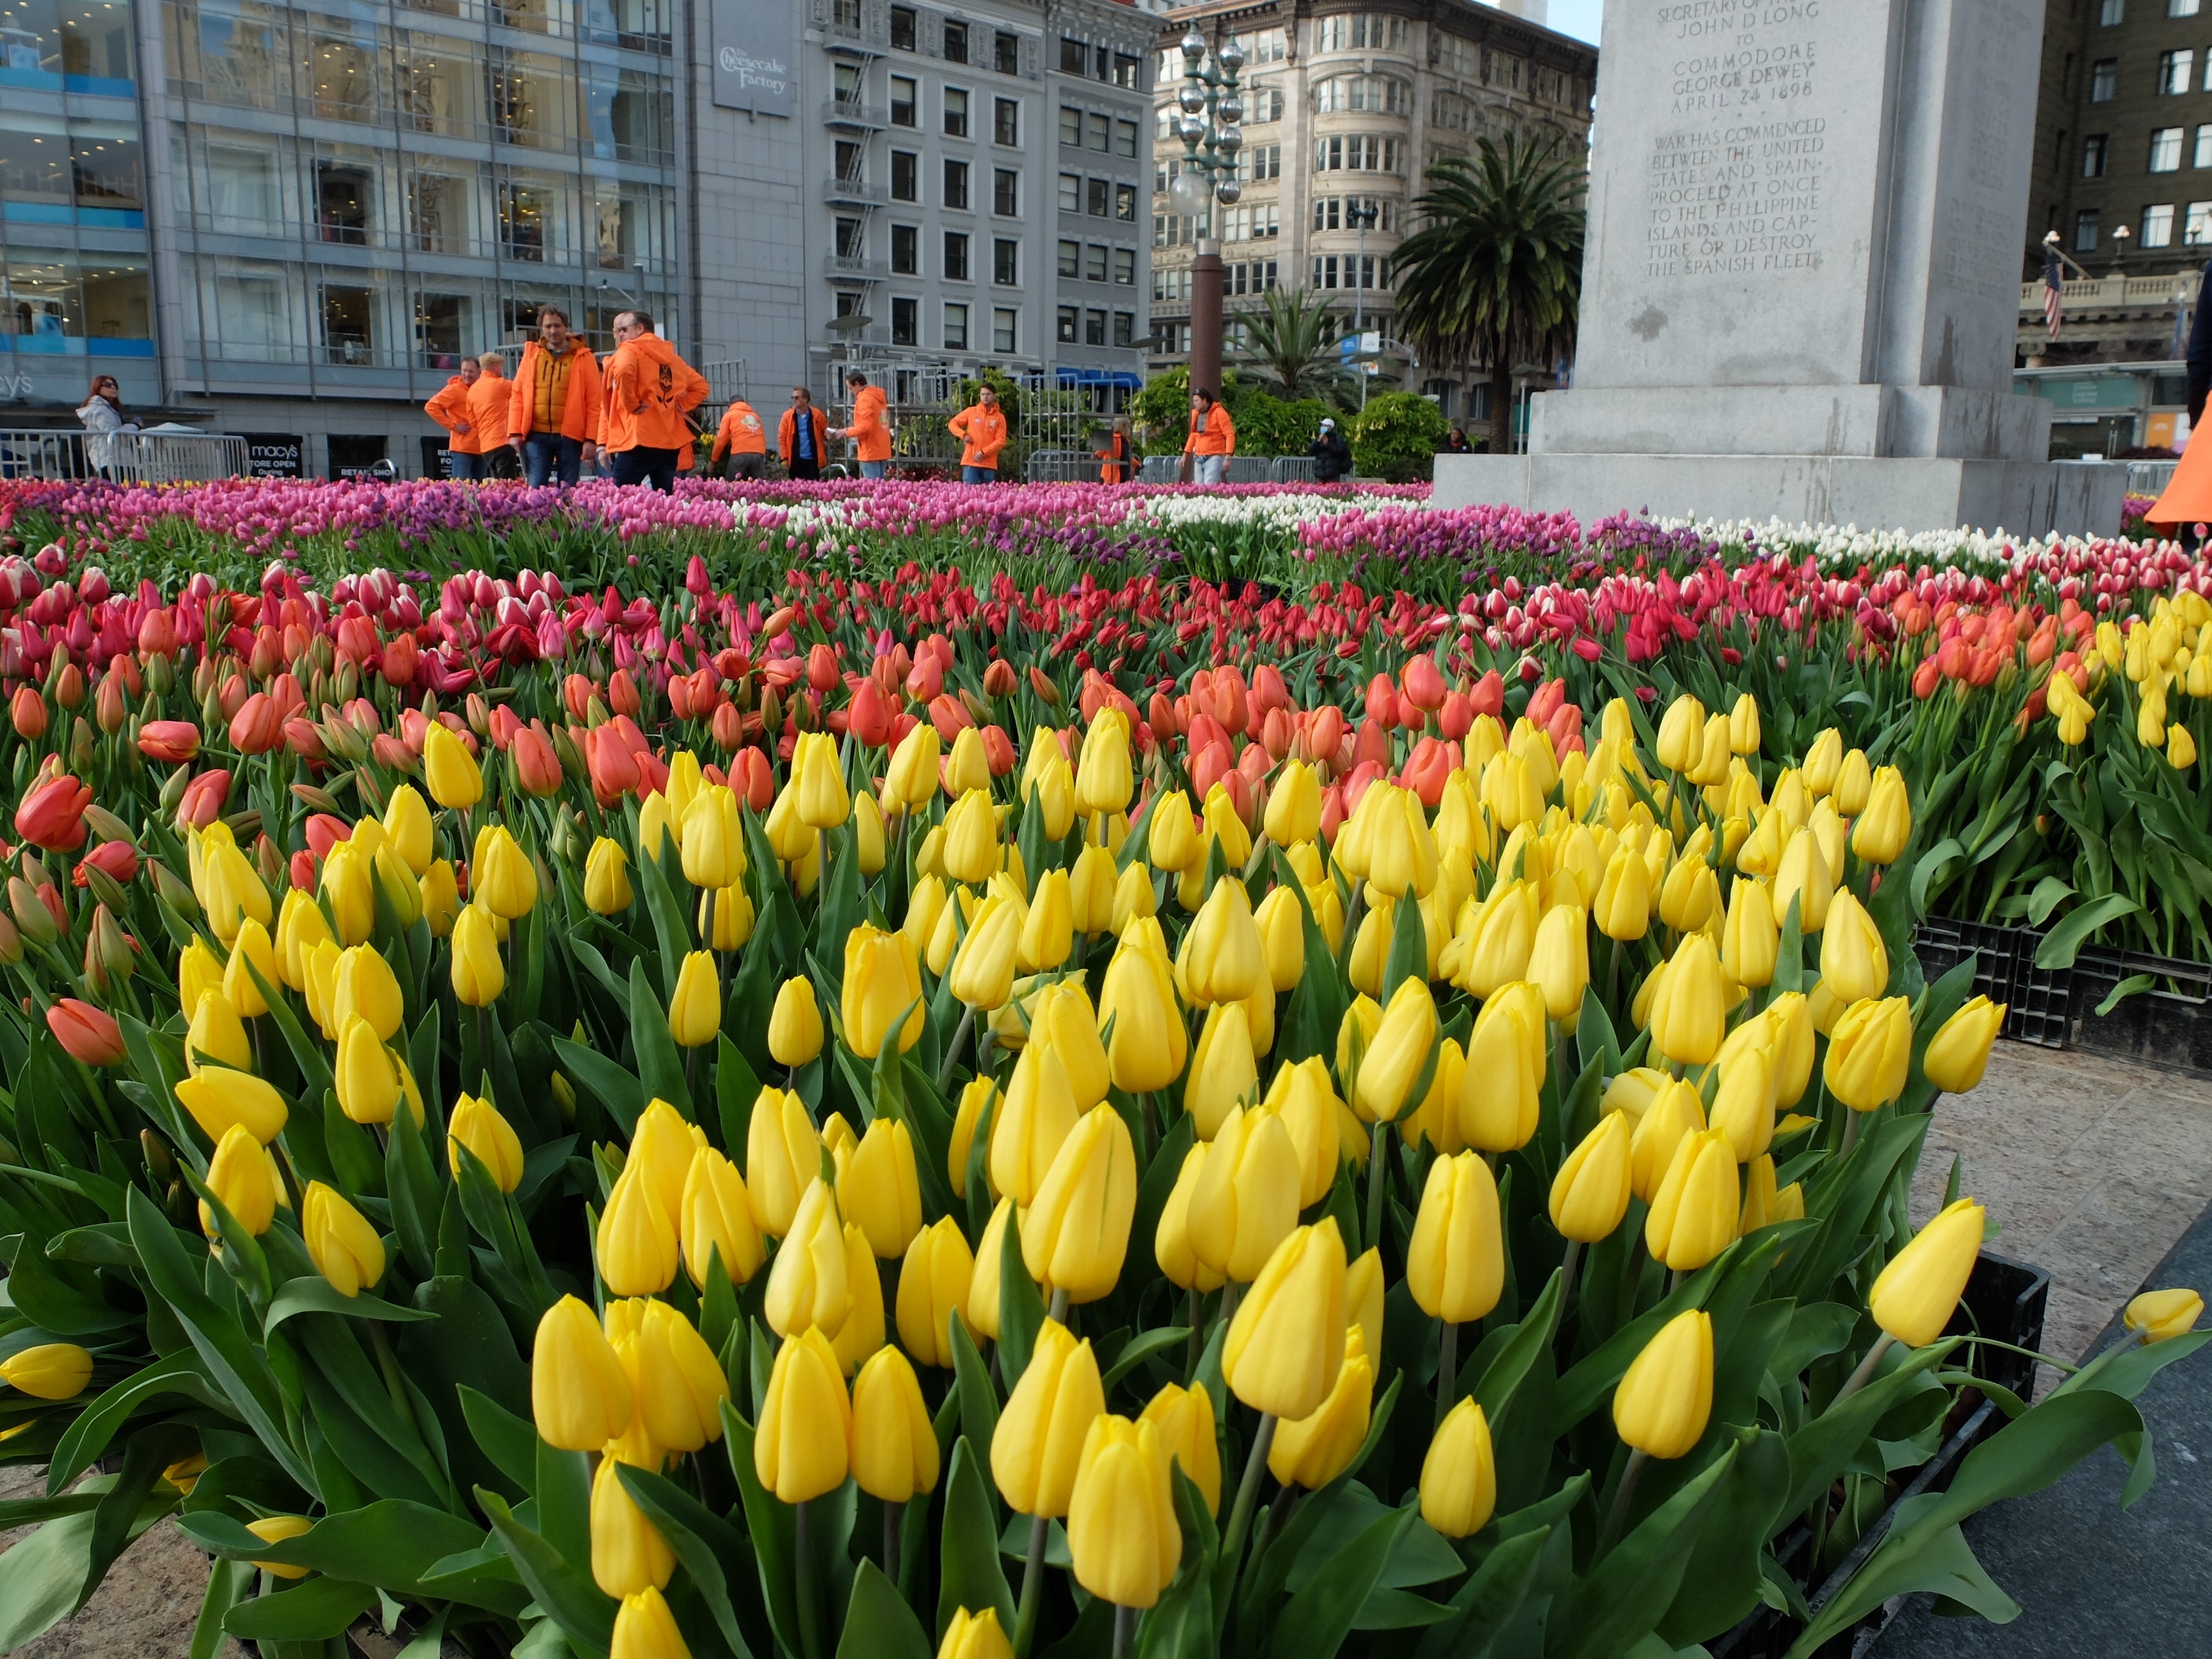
1396, 436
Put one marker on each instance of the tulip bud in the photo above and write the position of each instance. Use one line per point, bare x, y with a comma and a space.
2161, 1315
1315, 1450
1038, 1443
1459, 1474
1076, 1232
48, 1371
982, 1309
646, 1629
1286, 1342
894, 1445
933, 1285
1245, 1201
1590, 1193
477, 1125
1148, 1046
1498, 1102
243, 1178
451, 772
716, 1219
1689, 1013
1959, 1053
581, 1395
1124, 1541
1183, 1419
879, 1188
637, 1239
344, 1248
1915, 1295
694, 1012
1870, 1054
1455, 1261
975, 1636
607, 878
220, 1099
1403, 1041
883, 980
1662, 1404
1854, 962
1694, 1212
680, 1384
800, 1448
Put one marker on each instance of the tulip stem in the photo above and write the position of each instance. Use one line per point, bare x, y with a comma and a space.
1612, 972
1248, 1489
893, 1515
1618, 1515
1058, 1312
1375, 1150
1851, 1132
1447, 1370
1865, 1374
1190, 1318
810, 1634
952, 1049
1032, 1585
1124, 1631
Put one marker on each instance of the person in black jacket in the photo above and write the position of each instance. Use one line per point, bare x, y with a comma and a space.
1332, 456
2200, 348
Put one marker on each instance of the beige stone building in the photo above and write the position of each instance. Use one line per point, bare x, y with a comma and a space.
1344, 109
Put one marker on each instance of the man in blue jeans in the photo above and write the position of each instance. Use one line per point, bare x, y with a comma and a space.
557, 402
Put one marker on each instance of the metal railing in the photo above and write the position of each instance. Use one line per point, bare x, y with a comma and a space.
1242, 469
2108, 293
2149, 478
1062, 467
147, 458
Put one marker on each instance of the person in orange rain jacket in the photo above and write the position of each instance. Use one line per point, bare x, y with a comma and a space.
491, 401
449, 408
649, 391
801, 434
1213, 439
1115, 461
557, 402
982, 429
742, 438
871, 436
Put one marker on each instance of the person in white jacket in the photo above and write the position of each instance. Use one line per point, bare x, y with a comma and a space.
103, 417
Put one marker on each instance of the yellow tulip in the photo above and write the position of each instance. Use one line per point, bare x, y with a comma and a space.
1505, 1056
1959, 1053
933, 1284
1694, 1212
982, 971
808, 1282
1038, 1114
879, 1188
220, 1099
501, 879
1459, 1474
1148, 1046
48, 1371
1245, 1200
694, 1012
893, 1446
1590, 1193
581, 1395
217, 1033
606, 877
882, 979
1286, 1341
783, 1156
680, 1384
983, 1284
638, 1242
1915, 1293
2161, 1315
800, 1448
1661, 1405
1076, 1233
911, 778
1038, 1444
1804, 874
1689, 1009
1222, 958
1456, 1261
451, 771
1313, 1450
345, 1249
1854, 961
1171, 1244
1750, 937
716, 1219
646, 1629
1396, 1054
277, 1529
1870, 1054
1676, 1112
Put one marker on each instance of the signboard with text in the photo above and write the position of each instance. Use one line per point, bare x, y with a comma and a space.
755, 55
276, 455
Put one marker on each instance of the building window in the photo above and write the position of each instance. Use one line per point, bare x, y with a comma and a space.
1357, 152
1127, 71
902, 102
1457, 55
1125, 204
956, 42
1007, 193
2201, 156
1266, 104
1167, 229
1377, 94
903, 29
906, 322
1260, 162
852, 244
2165, 149
1005, 119
1324, 270
906, 169
1094, 328
1007, 54
1270, 46
906, 250
1125, 139
955, 113
2158, 226
955, 255
1452, 112
2093, 155
2104, 76
1071, 259
1125, 267
1096, 197
955, 183
1125, 329
955, 327
1072, 55
2196, 223
1094, 266
2085, 230
1102, 132
1006, 262
1003, 328
2175, 70
1071, 127
1361, 31
2181, 8
2111, 12
1067, 324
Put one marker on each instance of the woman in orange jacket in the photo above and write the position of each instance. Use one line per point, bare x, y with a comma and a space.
871, 436
1115, 461
982, 429
1213, 439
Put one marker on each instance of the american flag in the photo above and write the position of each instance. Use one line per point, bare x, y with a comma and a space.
2054, 290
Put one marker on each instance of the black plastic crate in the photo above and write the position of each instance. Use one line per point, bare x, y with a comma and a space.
2037, 1000
2167, 1024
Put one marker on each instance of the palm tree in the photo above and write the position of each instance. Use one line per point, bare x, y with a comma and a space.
1293, 350
1494, 274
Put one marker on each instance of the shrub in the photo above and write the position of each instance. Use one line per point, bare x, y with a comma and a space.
1396, 435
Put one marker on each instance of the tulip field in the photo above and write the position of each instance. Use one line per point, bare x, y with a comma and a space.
811, 1071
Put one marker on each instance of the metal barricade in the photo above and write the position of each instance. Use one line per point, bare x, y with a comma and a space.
1161, 470
39, 453
1292, 469
141, 457
1062, 467
2149, 478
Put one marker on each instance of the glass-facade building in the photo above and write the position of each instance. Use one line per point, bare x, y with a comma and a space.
74, 280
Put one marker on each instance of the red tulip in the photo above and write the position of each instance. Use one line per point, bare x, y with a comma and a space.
997, 750
1426, 768
1046, 689
258, 725
750, 777
1382, 702
29, 712
89, 1034
536, 766
1372, 746
821, 668
157, 633
400, 661
51, 814
118, 858
325, 830
622, 694
174, 741
926, 684
871, 715
203, 799
999, 678
612, 767
1324, 732
1455, 719
1545, 701
729, 726
1208, 766
1425, 686
1488, 696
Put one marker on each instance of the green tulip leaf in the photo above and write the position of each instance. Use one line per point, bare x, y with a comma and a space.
659, 1062
1138, 1349
1021, 1310
510, 1442
585, 1613
88, 1435
315, 1612
411, 1179
1622, 1598
1314, 1622
618, 1090
1409, 951
769, 1529
2064, 942
318, 1295
701, 1540
1486, 1599
979, 1401
879, 1623
970, 1574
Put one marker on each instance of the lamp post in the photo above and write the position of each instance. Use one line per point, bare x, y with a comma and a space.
1212, 139
1362, 216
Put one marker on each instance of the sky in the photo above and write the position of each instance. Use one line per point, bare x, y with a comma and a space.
1576, 17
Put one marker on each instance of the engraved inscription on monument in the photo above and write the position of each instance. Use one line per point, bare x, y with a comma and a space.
1738, 172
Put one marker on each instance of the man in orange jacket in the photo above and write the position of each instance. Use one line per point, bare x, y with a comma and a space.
743, 438
1213, 439
555, 408
490, 403
650, 390
450, 409
982, 429
801, 434
870, 436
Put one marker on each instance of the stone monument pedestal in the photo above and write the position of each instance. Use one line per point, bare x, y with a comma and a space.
1800, 297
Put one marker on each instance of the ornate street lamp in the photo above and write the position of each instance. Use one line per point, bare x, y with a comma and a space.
1212, 139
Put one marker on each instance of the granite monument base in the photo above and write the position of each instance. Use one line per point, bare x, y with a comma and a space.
2026, 498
